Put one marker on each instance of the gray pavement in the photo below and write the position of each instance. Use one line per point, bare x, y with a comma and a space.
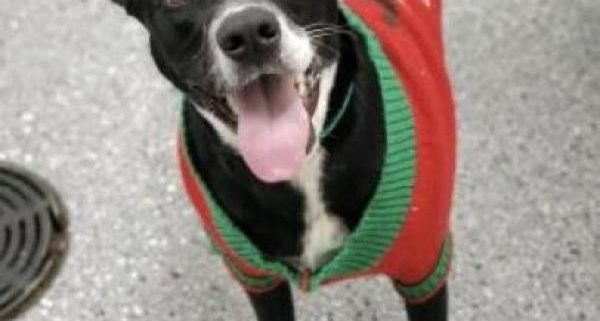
82, 104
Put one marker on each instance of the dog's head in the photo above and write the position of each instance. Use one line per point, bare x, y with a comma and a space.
258, 61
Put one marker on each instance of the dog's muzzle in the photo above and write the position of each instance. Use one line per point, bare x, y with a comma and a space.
272, 78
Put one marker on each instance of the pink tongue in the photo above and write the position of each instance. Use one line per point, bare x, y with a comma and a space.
273, 128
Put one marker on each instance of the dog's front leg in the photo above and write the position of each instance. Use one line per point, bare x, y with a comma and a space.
434, 309
274, 305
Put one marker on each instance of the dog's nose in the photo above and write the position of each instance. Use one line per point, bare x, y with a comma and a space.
249, 36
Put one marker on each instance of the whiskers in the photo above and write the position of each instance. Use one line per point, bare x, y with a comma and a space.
317, 32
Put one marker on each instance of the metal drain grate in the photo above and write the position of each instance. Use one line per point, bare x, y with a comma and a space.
33, 238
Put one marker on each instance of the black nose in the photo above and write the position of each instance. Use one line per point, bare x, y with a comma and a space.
250, 36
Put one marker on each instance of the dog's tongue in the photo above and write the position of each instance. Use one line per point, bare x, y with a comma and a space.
273, 127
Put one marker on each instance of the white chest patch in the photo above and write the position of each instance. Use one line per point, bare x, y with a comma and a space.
324, 232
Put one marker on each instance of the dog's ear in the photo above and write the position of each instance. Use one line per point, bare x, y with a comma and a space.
134, 8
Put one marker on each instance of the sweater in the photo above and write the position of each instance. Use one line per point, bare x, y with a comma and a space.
404, 233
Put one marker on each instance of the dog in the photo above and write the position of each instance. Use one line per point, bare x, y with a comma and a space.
295, 128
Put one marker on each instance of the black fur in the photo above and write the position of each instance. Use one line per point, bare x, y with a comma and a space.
271, 215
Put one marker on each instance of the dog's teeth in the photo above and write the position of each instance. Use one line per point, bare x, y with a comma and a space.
300, 85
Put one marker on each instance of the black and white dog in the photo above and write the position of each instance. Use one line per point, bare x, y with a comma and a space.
254, 67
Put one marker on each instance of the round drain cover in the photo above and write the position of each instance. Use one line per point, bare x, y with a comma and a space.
33, 238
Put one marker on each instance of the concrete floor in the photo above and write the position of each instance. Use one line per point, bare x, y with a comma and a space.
82, 104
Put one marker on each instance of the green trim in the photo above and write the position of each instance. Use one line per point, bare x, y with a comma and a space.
252, 282
434, 280
386, 212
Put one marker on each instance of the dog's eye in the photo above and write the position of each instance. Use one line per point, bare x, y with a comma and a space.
176, 3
